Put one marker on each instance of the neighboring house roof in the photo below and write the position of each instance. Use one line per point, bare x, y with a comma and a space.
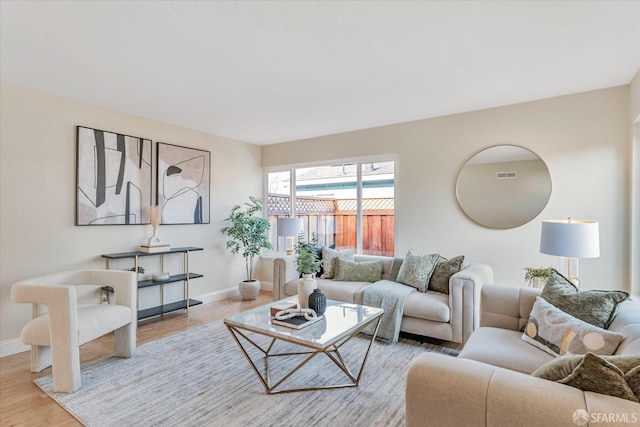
344, 170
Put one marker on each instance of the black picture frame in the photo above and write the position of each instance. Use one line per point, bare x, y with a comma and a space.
183, 184
113, 178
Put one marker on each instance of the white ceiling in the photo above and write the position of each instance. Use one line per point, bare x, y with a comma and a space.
267, 72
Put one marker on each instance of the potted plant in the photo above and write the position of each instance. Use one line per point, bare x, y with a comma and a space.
248, 235
307, 261
308, 264
537, 277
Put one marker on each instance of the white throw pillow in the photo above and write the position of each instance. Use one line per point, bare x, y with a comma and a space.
559, 333
329, 257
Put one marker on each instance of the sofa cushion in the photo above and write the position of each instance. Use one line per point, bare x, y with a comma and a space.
595, 307
329, 260
627, 323
351, 271
416, 270
429, 306
94, 320
504, 348
439, 280
351, 292
558, 333
562, 368
593, 373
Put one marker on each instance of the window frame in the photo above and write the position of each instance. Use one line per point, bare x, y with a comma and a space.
359, 161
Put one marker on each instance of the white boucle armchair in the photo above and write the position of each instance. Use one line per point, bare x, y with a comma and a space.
55, 337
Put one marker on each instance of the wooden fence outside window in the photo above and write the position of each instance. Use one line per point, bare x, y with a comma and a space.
334, 221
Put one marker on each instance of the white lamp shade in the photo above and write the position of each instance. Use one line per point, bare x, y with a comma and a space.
289, 227
570, 238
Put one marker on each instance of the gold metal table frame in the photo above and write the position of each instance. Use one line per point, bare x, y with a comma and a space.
332, 351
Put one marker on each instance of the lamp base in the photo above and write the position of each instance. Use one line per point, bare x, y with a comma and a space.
290, 251
569, 268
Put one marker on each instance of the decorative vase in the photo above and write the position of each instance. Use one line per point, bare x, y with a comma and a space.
318, 302
537, 282
249, 289
306, 285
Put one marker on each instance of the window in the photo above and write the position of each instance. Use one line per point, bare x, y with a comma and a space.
278, 204
349, 204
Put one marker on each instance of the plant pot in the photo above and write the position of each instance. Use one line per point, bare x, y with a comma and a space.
306, 285
249, 289
537, 282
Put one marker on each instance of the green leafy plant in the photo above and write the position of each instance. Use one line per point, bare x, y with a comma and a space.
307, 261
537, 272
140, 269
248, 232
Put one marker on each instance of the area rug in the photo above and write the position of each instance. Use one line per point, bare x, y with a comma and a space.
200, 378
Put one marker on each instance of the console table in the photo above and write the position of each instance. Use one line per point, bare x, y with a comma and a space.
184, 277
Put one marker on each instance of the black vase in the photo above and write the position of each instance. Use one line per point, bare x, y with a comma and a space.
318, 302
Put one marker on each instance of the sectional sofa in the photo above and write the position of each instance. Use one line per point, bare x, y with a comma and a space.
490, 384
451, 317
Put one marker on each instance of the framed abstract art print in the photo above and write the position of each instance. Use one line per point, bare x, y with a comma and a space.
183, 184
113, 178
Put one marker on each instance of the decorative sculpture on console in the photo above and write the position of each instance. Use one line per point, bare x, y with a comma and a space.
153, 243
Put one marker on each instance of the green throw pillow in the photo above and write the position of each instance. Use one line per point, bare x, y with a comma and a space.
439, 281
329, 257
416, 270
395, 268
595, 307
351, 271
617, 376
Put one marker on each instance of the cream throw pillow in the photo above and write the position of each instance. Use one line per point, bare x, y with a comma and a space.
559, 333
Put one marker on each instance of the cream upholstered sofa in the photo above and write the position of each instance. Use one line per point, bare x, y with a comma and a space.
55, 336
490, 384
432, 314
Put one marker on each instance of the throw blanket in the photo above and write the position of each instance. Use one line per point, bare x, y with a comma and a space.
390, 296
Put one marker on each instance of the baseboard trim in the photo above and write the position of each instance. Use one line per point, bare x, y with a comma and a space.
217, 295
12, 346
266, 286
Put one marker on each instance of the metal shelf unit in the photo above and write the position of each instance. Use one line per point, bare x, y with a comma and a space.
185, 277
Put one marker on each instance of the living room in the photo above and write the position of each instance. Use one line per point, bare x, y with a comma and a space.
582, 122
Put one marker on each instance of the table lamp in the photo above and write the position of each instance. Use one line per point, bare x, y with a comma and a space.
289, 228
570, 239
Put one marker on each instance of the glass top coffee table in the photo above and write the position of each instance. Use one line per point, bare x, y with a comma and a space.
341, 322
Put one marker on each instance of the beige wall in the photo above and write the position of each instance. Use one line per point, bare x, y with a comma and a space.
583, 139
38, 236
634, 97
634, 110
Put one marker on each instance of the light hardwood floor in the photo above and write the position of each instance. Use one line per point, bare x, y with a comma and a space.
22, 403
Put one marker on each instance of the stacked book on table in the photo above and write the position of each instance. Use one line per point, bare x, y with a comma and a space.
296, 322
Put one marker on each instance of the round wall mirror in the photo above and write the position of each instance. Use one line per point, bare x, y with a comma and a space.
505, 186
